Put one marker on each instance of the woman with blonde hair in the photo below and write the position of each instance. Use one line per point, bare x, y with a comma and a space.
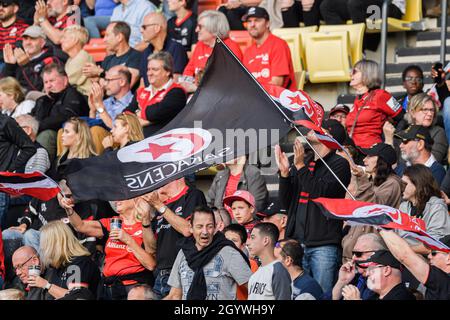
422, 111
69, 264
12, 98
129, 259
126, 130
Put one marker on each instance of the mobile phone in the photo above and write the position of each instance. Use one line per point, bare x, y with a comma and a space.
438, 68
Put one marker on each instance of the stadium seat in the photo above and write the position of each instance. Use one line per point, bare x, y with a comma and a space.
208, 5
97, 49
356, 36
411, 20
242, 38
328, 57
299, 32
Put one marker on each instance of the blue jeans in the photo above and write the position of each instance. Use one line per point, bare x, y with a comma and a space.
446, 116
161, 288
13, 240
96, 23
323, 263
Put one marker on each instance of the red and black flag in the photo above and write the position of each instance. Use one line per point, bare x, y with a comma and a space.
367, 213
233, 110
34, 184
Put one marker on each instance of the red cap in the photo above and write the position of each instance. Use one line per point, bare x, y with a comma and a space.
240, 195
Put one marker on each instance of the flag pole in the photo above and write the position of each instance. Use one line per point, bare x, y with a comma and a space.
287, 118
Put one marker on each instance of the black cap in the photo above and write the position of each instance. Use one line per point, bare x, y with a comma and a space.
339, 108
272, 209
415, 132
335, 129
382, 257
382, 150
257, 12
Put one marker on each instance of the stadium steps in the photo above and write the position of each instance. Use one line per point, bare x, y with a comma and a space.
424, 53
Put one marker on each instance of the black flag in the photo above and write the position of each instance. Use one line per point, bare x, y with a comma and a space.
230, 105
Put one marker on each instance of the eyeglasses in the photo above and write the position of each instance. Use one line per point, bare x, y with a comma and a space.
359, 254
278, 245
435, 252
112, 79
428, 110
413, 79
20, 266
5, 4
145, 26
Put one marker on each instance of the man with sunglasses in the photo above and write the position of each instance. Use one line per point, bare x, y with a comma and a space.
416, 144
435, 275
351, 274
384, 278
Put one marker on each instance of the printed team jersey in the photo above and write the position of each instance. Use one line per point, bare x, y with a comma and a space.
377, 105
271, 59
119, 259
183, 31
201, 54
145, 99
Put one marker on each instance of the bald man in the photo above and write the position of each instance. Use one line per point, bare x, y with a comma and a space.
154, 32
141, 292
22, 259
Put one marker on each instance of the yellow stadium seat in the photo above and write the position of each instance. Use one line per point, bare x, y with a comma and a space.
328, 57
356, 36
409, 21
299, 32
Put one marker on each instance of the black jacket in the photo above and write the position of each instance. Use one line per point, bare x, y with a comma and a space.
52, 111
15, 146
305, 221
29, 75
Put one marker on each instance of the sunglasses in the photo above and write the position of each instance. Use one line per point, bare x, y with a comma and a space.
434, 253
359, 254
413, 79
5, 4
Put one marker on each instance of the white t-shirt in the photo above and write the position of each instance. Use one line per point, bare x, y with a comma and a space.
271, 282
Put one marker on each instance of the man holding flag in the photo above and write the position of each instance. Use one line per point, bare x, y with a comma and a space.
307, 180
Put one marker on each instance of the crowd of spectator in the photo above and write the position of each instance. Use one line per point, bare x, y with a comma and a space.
232, 242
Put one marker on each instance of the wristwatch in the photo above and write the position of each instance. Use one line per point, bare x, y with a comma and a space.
162, 209
100, 110
41, 19
48, 286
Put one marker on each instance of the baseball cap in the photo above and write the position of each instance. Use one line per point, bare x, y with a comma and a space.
272, 209
415, 132
340, 108
382, 150
257, 12
240, 195
381, 257
335, 129
34, 32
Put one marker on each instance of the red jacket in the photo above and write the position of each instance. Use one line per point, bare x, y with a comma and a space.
377, 106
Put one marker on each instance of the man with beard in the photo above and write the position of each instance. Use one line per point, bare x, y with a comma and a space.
54, 17
384, 278
11, 28
309, 179
26, 65
415, 147
268, 58
209, 266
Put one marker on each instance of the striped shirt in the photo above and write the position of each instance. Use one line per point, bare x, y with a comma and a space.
12, 34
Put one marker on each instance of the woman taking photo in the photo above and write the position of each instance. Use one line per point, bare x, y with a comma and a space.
69, 264
12, 98
126, 130
372, 105
128, 258
423, 200
375, 182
